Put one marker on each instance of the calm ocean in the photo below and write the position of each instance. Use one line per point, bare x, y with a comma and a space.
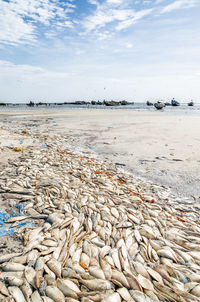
183, 108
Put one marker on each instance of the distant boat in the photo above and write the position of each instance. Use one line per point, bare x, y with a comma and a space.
175, 103
149, 103
111, 103
124, 102
31, 104
191, 103
158, 105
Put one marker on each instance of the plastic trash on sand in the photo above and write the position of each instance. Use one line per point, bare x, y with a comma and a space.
9, 230
18, 149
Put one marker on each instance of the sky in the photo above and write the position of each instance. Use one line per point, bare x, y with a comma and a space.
69, 50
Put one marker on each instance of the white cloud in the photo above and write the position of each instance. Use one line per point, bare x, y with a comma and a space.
19, 18
115, 2
133, 19
179, 4
159, 1
104, 35
119, 12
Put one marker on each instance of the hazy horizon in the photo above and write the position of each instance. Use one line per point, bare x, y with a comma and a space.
99, 49
43, 102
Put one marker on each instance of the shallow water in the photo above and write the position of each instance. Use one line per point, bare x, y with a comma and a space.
183, 108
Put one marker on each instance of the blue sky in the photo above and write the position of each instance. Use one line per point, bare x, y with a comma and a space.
65, 50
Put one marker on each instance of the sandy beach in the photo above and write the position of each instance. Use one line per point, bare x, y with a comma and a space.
162, 147
99, 206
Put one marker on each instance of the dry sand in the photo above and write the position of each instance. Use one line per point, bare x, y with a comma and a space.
160, 146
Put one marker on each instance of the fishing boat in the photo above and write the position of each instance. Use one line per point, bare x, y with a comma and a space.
31, 104
175, 103
111, 103
191, 103
158, 105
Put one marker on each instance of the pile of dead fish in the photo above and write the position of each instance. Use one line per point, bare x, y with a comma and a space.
100, 234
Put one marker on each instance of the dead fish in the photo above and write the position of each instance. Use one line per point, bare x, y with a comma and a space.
32, 257
50, 243
96, 272
55, 294
38, 278
140, 269
20, 259
12, 267
115, 257
166, 253
196, 291
3, 289
124, 293
35, 297
17, 218
55, 266
30, 274
195, 255
85, 259
71, 285
14, 281
106, 269
69, 273
112, 298
66, 290
97, 284
39, 265
26, 288
3, 275
7, 257
145, 283
49, 280
155, 275
119, 276
151, 295
16, 293
139, 296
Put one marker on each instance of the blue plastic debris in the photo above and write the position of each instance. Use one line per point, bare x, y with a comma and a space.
26, 224
3, 216
5, 231
21, 142
14, 213
10, 229
110, 127
21, 208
